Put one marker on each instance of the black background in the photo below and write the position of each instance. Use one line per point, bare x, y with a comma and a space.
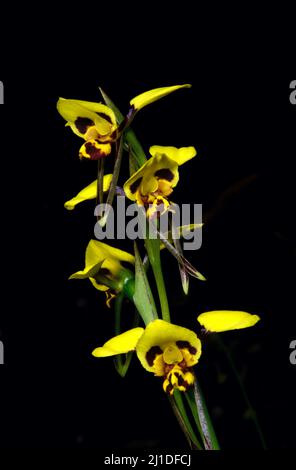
53, 393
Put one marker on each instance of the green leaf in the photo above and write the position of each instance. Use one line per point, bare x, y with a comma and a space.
143, 298
152, 246
129, 136
119, 116
177, 401
133, 164
134, 144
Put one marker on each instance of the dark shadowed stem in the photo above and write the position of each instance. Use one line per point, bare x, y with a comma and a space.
113, 185
100, 180
116, 170
118, 307
209, 436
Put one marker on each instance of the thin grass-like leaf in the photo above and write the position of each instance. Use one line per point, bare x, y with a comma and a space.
143, 297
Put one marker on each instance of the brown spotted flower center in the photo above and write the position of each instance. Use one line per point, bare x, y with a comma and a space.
173, 362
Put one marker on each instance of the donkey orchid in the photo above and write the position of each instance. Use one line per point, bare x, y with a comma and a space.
170, 351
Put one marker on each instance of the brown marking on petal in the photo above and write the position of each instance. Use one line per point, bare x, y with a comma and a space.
152, 353
134, 186
94, 152
185, 384
182, 364
168, 368
181, 380
169, 388
83, 124
114, 135
186, 345
105, 272
164, 173
105, 116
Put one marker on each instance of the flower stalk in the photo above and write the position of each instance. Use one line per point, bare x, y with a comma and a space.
100, 180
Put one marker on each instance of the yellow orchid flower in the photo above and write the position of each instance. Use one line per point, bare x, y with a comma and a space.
104, 269
89, 192
96, 123
151, 185
167, 350
170, 351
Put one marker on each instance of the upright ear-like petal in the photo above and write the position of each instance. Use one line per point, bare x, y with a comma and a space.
158, 335
89, 192
78, 117
153, 95
81, 118
225, 320
179, 155
99, 108
70, 110
120, 344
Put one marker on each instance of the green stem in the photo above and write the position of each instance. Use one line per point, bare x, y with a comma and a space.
129, 289
243, 390
209, 435
112, 189
158, 275
122, 361
118, 306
